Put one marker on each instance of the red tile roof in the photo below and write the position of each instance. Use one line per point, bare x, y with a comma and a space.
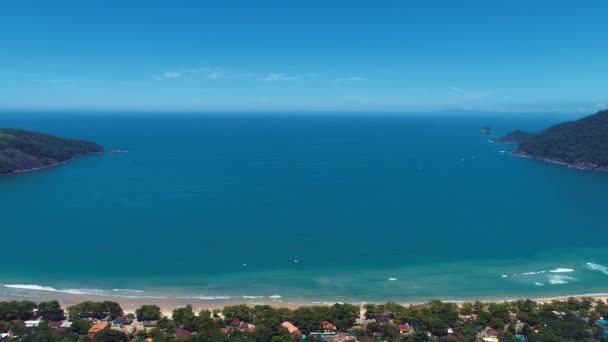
97, 327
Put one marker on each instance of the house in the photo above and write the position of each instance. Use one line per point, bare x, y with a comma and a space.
242, 326
149, 324
493, 333
122, 320
66, 324
54, 325
182, 333
224, 330
293, 330
30, 324
490, 339
327, 326
405, 329
97, 327
382, 319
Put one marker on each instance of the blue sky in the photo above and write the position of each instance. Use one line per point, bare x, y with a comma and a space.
546, 56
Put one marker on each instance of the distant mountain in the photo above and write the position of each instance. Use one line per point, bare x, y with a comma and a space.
22, 150
582, 143
516, 137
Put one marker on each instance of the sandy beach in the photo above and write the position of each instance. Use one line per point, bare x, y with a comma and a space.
167, 305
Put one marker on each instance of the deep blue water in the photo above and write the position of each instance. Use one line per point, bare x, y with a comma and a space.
425, 199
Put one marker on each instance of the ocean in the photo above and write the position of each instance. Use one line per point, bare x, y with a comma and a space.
302, 208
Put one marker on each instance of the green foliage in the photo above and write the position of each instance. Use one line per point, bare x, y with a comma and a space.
23, 150
569, 320
148, 313
184, 317
582, 142
21, 310
51, 311
97, 310
109, 335
516, 137
80, 326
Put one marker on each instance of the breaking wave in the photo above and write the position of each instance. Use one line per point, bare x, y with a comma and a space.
597, 267
562, 270
560, 279
93, 292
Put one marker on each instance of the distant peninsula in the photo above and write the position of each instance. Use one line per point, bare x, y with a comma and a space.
582, 143
22, 150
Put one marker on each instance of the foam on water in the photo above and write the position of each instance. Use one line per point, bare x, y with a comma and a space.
560, 279
562, 270
597, 267
82, 291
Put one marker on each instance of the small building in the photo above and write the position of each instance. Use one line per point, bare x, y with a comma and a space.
66, 324
31, 324
327, 326
493, 333
405, 329
54, 325
182, 333
122, 320
224, 330
149, 323
293, 330
97, 327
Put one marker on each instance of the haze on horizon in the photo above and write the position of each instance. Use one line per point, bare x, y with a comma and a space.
516, 56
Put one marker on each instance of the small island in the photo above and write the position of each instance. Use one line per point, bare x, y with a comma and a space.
582, 143
22, 150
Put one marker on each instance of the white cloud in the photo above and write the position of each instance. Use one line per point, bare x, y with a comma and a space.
215, 75
168, 75
280, 77
172, 74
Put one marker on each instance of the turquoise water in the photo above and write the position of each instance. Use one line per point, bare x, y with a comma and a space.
222, 206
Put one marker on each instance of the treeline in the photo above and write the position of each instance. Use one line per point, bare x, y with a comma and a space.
523, 320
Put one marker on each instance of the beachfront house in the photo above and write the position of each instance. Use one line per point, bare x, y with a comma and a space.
327, 326
149, 324
405, 329
122, 320
32, 323
182, 333
97, 327
293, 330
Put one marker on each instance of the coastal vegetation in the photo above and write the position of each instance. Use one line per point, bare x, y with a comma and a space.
582, 143
22, 150
516, 137
522, 320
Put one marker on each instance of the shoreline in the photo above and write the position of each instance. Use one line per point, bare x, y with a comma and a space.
560, 162
18, 172
130, 303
